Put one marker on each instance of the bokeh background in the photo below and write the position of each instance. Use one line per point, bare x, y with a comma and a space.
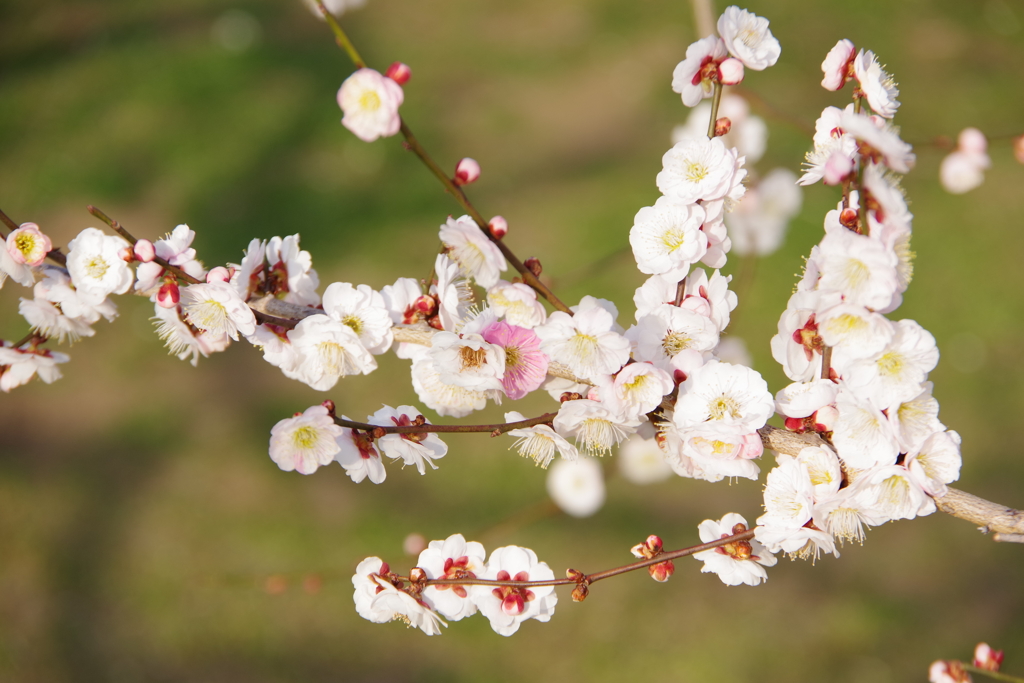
146, 536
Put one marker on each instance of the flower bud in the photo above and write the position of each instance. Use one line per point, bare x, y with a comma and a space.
533, 265
662, 571
796, 424
569, 396
425, 305
144, 251
654, 544
1018, 148
730, 71
987, 658
168, 295
580, 592
948, 671
825, 418
498, 226
849, 218
126, 254
466, 171
417, 575
398, 72
722, 126
329, 404
218, 274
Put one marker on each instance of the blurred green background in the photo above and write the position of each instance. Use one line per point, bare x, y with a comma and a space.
146, 536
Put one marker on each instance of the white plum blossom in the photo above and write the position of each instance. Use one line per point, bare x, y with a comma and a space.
894, 493
21, 273
803, 399
877, 85
862, 435
577, 486
694, 76
291, 269
335, 7
855, 330
964, 168
445, 399
636, 390
248, 276
328, 350
798, 344
641, 461
370, 102
379, 601
477, 256
469, 362
363, 310
830, 145
701, 170
844, 513
712, 453
454, 293
595, 427
96, 267
669, 331
413, 449
18, 366
804, 542
27, 245
506, 607
452, 558
729, 399
823, 468
735, 563
654, 292
836, 66
539, 442
585, 342
915, 420
216, 308
894, 375
176, 248
862, 269
714, 292
518, 303
360, 458
748, 38
758, 223
882, 141
306, 441
58, 312
667, 239
788, 495
184, 340
936, 463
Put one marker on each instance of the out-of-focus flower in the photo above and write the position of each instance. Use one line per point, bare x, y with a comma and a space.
577, 487
370, 102
748, 38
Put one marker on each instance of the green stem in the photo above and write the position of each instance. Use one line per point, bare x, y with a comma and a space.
339, 36
992, 674
716, 99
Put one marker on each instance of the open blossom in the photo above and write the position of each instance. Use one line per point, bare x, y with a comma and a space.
857, 331
58, 311
585, 342
831, 145
18, 366
305, 442
452, 558
596, 428
291, 276
27, 245
335, 7
468, 361
184, 340
526, 366
894, 493
862, 435
370, 102
788, 495
518, 303
445, 399
379, 601
737, 562
802, 399
328, 350
176, 248
637, 389
720, 396
507, 607
748, 38
454, 293
862, 269
896, 373
669, 331
476, 255
915, 420
877, 85
701, 170
96, 267
806, 542
880, 142
363, 310
694, 77
216, 308
539, 442
360, 458
413, 449
577, 486
667, 239
936, 462
836, 66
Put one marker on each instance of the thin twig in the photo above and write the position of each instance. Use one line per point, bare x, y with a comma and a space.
494, 429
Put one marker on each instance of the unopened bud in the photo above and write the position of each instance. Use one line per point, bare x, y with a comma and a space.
168, 295
1018, 148
987, 658
796, 424
218, 274
533, 265
580, 592
678, 376
417, 575
144, 251
722, 126
425, 305
574, 574
466, 171
730, 71
849, 218
329, 404
948, 670
126, 254
824, 419
738, 528
662, 571
399, 73
654, 543
569, 396
498, 227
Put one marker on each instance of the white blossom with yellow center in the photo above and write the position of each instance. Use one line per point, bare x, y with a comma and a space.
305, 442
701, 170
748, 38
667, 239
96, 267
370, 102
476, 255
217, 308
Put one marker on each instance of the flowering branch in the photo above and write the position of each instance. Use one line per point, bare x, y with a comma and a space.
494, 429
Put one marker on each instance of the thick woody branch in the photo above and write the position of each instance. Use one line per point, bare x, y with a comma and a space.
1004, 523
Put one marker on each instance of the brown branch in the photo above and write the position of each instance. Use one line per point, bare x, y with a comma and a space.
494, 429
1005, 523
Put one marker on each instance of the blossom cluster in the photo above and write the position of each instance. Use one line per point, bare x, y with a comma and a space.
381, 596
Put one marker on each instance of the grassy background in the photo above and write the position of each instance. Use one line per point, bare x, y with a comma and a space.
140, 517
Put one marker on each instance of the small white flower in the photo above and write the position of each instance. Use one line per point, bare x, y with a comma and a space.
507, 607
596, 428
379, 601
694, 76
788, 495
857, 331
469, 362
725, 397
518, 303
701, 170
863, 437
884, 142
748, 38
667, 239
637, 389
824, 469
370, 102
961, 172
893, 493
877, 85
804, 543
585, 342
577, 486
862, 269
328, 350
915, 420
95, 266
477, 256
176, 248
413, 449
936, 463
248, 276
452, 558
830, 142
363, 310
182, 339
844, 514
669, 331
359, 457
18, 366
894, 375
305, 442
539, 442
216, 308
802, 399
735, 563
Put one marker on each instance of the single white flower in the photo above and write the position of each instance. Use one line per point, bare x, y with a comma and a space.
803, 399
360, 458
876, 84
961, 172
915, 420
596, 428
637, 389
413, 449
363, 310
539, 442
694, 77
370, 102
328, 350
748, 38
379, 601
577, 486
892, 492
857, 331
701, 170
669, 331
96, 267
735, 563
477, 256
862, 269
291, 271
468, 361
667, 239
862, 435
506, 607
584, 342
518, 303
830, 143
18, 366
454, 293
788, 495
894, 375
731, 398
824, 469
216, 308
445, 399
452, 558
805, 543
936, 463
176, 248
305, 442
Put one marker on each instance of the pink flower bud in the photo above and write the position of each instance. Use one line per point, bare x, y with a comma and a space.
837, 168
218, 274
145, 251
825, 418
722, 126
654, 543
329, 404
972, 141
662, 571
466, 171
498, 226
28, 245
414, 544
533, 265
730, 71
168, 295
796, 424
425, 305
987, 658
399, 73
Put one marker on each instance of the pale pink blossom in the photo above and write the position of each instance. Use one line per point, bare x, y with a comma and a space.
694, 77
748, 38
836, 66
877, 85
305, 442
370, 102
507, 607
526, 366
27, 245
